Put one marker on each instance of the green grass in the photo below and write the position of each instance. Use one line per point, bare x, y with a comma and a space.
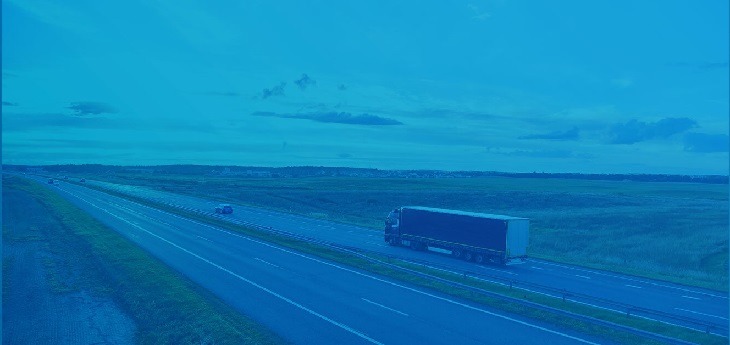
670, 231
384, 270
167, 307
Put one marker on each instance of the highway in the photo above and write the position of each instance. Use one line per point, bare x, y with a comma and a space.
305, 299
684, 301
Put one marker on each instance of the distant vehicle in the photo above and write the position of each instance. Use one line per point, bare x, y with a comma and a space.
224, 209
50, 181
65, 177
470, 236
82, 180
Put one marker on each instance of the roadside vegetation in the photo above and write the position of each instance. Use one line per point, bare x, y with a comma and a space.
662, 230
166, 307
374, 264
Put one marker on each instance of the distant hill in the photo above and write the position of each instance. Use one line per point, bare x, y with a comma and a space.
318, 171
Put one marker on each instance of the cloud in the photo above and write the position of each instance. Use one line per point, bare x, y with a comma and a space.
277, 90
305, 81
9, 104
441, 113
342, 87
704, 65
335, 117
478, 14
224, 94
713, 65
571, 134
706, 143
622, 82
539, 153
344, 155
636, 131
26, 122
91, 108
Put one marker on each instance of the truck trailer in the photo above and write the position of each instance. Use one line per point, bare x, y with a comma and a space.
471, 236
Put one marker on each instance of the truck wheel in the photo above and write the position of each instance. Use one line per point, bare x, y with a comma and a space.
478, 258
457, 253
415, 245
468, 255
394, 241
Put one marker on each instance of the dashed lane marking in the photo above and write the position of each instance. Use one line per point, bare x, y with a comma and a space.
384, 307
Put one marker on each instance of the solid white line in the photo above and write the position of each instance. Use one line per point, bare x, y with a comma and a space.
384, 307
356, 273
690, 297
696, 312
631, 279
271, 292
634, 286
583, 277
203, 238
266, 262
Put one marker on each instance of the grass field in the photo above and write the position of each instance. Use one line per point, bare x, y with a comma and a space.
670, 231
166, 307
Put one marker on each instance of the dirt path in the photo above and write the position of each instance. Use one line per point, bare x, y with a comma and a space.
52, 293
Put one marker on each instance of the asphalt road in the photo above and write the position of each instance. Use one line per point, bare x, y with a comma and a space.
684, 301
305, 299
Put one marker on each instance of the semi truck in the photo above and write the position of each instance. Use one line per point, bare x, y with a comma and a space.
478, 237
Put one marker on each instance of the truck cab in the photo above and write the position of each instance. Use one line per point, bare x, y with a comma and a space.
392, 225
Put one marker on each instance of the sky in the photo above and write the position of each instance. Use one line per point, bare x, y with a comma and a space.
503, 85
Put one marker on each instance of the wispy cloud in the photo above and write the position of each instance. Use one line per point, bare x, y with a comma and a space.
706, 143
223, 94
571, 134
91, 108
56, 13
26, 122
305, 81
335, 117
9, 104
713, 65
636, 131
277, 90
704, 65
622, 82
538, 153
477, 13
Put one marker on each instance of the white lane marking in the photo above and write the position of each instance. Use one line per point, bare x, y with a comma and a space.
690, 297
537, 268
634, 286
266, 262
201, 237
353, 272
631, 279
497, 270
585, 277
384, 307
696, 312
271, 292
